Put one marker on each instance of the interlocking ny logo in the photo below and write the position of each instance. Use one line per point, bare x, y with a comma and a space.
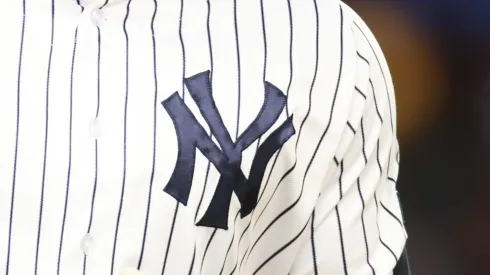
227, 160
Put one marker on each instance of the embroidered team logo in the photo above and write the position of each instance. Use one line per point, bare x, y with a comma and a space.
191, 136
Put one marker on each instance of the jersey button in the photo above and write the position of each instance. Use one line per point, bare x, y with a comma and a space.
92, 14
86, 244
95, 128
130, 271
97, 17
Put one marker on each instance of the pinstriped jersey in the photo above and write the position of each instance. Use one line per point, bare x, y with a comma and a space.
195, 137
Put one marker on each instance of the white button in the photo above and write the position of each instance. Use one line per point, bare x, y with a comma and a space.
87, 244
92, 14
130, 271
95, 128
97, 17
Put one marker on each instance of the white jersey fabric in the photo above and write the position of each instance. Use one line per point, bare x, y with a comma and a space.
101, 102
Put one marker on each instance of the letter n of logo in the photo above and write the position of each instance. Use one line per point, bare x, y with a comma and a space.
191, 136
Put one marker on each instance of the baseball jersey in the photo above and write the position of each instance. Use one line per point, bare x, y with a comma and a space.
209, 137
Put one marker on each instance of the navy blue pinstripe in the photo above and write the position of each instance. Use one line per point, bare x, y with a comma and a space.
377, 208
237, 128
360, 92
397, 159
363, 142
391, 214
152, 176
297, 140
362, 199
340, 179
210, 132
282, 248
239, 86
379, 233
382, 72
207, 247
244, 255
362, 57
210, 80
351, 127
341, 240
341, 235
48, 78
363, 224
181, 17
238, 69
125, 136
170, 238
375, 101
241, 236
290, 55
19, 75
324, 133
96, 154
388, 167
312, 239
69, 150
233, 270
394, 182
287, 109
231, 243
264, 35
238, 248
192, 261
299, 135
263, 189
289, 86
377, 158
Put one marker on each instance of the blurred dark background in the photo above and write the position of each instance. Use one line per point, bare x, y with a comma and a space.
439, 56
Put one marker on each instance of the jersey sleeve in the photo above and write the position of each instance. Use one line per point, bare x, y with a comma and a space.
331, 206
356, 226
